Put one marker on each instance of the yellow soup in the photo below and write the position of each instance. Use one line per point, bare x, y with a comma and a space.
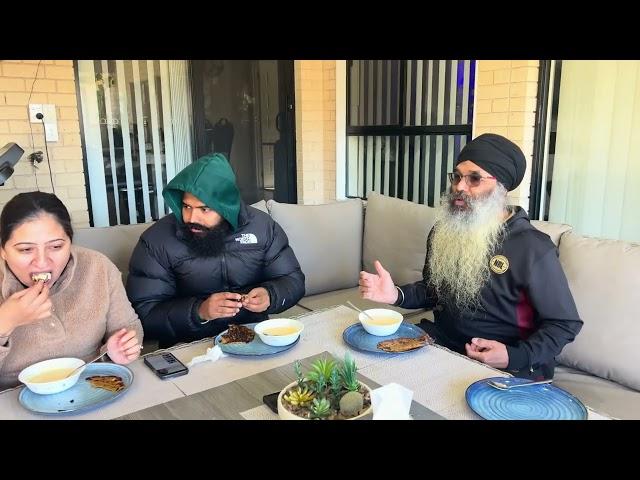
280, 331
381, 321
51, 375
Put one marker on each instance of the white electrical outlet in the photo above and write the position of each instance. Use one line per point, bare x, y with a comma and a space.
50, 122
33, 109
48, 111
51, 132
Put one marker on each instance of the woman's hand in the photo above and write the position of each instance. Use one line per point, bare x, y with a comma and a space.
123, 346
25, 307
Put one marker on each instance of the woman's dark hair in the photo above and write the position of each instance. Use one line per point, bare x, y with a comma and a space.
27, 206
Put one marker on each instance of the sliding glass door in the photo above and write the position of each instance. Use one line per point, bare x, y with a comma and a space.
136, 135
244, 110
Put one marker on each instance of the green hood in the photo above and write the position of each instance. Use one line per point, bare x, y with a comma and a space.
212, 180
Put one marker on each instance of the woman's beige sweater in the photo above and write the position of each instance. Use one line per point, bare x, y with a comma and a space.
89, 304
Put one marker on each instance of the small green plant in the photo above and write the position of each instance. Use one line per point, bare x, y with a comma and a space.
299, 397
320, 408
351, 403
335, 383
297, 366
320, 374
328, 390
349, 374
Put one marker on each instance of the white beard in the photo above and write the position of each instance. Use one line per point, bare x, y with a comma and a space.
461, 246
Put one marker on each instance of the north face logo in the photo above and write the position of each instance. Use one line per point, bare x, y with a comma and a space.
247, 238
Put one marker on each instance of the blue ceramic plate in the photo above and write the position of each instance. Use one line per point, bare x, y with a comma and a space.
357, 337
82, 396
255, 347
537, 402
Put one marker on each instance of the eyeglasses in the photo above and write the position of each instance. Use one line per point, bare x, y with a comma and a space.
472, 179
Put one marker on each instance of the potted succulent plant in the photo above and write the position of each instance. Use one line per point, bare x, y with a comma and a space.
330, 390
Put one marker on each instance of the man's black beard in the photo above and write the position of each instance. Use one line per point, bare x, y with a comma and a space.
210, 242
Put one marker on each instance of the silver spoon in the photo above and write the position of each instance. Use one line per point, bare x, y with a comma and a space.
84, 365
504, 386
361, 311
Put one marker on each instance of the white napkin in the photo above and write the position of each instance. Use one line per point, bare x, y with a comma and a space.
391, 402
212, 355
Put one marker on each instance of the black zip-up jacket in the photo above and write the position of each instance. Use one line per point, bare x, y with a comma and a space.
167, 283
528, 306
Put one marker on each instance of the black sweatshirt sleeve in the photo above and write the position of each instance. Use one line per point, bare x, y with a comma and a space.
550, 296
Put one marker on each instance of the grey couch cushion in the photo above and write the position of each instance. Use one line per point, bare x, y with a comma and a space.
327, 240
115, 242
395, 232
340, 297
261, 205
554, 230
602, 395
604, 280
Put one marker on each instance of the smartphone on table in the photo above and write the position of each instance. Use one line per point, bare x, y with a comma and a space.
165, 365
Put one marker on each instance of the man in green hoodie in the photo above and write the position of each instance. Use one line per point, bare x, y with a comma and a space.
214, 262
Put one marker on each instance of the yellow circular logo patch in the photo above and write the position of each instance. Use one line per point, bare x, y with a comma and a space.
499, 264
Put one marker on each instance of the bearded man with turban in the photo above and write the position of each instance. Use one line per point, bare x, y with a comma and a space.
495, 283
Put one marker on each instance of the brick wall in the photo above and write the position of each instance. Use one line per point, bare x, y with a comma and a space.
329, 151
506, 93
55, 84
315, 90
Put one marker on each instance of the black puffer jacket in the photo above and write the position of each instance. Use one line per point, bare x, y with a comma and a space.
167, 283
